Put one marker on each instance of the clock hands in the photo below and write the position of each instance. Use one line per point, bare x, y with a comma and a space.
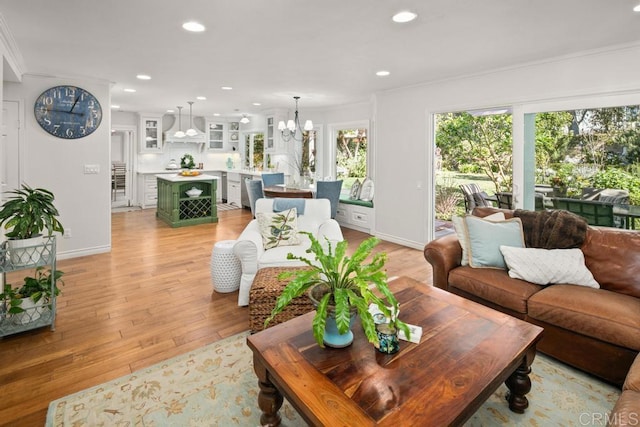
65, 111
74, 103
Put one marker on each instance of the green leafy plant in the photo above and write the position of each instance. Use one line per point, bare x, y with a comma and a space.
186, 161
28, 212
346, 281
36, 288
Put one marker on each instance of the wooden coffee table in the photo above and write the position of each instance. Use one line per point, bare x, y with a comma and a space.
467, 350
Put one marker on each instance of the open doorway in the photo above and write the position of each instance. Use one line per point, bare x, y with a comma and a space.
122, 157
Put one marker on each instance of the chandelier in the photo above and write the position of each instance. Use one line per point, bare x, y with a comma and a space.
293, 127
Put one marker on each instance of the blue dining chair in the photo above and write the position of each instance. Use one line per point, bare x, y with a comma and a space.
330, 190
271, 179
255, 192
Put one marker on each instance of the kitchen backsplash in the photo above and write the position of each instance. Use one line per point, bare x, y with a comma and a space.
209, 159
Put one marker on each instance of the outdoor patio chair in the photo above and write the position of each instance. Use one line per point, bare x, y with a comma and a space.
505, 200
474, 196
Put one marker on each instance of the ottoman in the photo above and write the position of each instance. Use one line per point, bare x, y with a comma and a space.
225, 267
265, 290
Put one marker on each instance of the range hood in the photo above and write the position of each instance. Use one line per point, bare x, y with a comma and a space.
169, 135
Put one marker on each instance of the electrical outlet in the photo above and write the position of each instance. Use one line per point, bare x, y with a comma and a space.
67, 233
91, 169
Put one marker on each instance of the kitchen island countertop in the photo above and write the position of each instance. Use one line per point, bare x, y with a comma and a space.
179, 178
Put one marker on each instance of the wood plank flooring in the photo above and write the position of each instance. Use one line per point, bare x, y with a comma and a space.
147, 300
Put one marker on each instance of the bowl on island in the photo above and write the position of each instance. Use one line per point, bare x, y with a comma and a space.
194, 192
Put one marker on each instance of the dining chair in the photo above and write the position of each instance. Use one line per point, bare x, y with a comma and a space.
505, 200
255, 192
330, 190
271, 179
595, 212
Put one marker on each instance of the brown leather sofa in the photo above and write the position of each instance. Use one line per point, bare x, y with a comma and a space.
627, 409
595, 330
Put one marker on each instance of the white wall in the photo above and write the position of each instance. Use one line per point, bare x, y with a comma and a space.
58, 165
404, 173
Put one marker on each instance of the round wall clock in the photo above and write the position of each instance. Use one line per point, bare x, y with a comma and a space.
68, 112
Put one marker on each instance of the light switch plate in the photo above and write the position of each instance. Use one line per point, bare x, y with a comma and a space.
91, 169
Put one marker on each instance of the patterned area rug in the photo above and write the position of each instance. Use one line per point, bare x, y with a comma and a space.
216, 386
226, 207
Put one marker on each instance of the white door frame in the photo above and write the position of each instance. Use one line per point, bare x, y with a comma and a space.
130, 159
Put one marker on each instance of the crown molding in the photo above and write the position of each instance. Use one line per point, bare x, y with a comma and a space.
12, 54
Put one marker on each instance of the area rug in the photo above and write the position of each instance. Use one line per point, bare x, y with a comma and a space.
216, 386
226, 207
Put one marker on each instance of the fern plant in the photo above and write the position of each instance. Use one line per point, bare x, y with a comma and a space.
346, 282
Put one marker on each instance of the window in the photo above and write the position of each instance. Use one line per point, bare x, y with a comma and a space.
351, 153
254, 150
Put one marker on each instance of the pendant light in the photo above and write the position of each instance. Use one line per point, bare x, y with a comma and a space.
179, 133
244, 119
292, 127
191, 131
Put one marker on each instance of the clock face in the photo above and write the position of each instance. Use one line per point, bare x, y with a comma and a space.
68, 112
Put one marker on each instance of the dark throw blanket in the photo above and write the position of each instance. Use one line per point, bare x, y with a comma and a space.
552, 229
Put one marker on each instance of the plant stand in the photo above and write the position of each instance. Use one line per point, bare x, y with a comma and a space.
34, 316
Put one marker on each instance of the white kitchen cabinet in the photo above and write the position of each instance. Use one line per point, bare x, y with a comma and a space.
234, 190
150, 133
147, 191
273, 143
216, 136
356, 217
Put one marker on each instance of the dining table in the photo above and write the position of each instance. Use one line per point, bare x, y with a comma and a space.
290, 192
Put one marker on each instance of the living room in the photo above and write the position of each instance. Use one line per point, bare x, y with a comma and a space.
594, 70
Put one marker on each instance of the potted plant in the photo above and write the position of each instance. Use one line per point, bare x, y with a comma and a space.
187, 161
341, 286
27, 303
26, 214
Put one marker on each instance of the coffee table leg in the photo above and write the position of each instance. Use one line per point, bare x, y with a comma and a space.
269, 398
519, 384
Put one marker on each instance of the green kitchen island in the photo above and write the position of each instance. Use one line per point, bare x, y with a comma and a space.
178, 208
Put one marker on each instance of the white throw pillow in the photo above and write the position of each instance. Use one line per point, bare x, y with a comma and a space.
366, 191
547, 266
463, 238
279, 228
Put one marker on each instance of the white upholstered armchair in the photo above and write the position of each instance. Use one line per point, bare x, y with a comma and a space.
249, 247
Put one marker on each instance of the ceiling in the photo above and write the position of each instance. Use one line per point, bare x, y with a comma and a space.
326, 52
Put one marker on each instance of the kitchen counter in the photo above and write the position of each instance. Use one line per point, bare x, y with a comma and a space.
174, 177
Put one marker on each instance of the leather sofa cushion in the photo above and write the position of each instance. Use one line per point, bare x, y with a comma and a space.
632, 382
613, 257
597, 313
495, 286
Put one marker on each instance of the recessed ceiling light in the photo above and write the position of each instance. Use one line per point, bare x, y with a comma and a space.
637, 8
216, 114
226, 88
170, 111
193, 26
382, 73
201, 98
129, 90
143, 77
257, 104
404, 16
115, 106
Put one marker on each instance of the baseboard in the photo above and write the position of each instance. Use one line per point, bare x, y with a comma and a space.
83, 252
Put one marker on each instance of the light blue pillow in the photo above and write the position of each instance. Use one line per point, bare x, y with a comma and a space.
486, 237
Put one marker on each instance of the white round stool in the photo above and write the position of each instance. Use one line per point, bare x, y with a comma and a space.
225, 267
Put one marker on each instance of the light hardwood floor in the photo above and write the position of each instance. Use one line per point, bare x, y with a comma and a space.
147, 300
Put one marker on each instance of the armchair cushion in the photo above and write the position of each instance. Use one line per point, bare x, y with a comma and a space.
278, 228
